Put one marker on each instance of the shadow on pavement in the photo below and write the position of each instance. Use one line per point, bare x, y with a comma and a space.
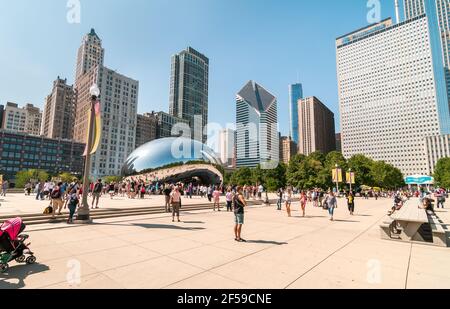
193, 222
156, 226
346, 221
18, 273
167, 226
266, 242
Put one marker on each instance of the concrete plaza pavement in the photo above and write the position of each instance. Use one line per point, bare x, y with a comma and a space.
200, 252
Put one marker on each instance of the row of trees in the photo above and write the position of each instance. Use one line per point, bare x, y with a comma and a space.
442, 173
23, 177
315, 171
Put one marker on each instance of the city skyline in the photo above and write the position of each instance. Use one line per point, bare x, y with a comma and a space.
125, 54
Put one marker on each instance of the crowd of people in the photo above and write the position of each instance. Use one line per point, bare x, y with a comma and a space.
63, 195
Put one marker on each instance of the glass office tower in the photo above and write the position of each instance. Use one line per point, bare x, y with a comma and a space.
295, 94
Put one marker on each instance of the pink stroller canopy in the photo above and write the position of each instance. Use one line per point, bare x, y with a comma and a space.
12, 227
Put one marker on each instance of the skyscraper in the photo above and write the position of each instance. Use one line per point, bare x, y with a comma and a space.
392, 91
2, 110
288, 149
413, 8
440, 8
316, 127
227, 144
25, 120
257, 139
295, 94
90, 54
59, 111
118, 101
146, 128
189, 90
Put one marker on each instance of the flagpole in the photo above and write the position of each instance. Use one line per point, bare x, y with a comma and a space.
83, 212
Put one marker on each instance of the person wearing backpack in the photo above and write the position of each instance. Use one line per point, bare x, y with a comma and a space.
57, 202
73, 203
96, 192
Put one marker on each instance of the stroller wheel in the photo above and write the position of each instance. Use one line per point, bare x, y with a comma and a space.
4, 268
31, 259
20, 259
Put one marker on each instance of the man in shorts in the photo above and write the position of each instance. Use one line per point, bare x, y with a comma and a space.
239, 205
175, 201
96, 192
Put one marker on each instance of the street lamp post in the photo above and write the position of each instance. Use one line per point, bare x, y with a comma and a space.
350, 173
337, 179
83, 211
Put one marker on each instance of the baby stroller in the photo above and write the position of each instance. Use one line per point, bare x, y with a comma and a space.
12, 244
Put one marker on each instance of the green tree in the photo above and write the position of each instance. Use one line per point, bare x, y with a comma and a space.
385, 175
67, 177
25, 176
362, 166
109, 179
242, 176
293, 170
273, 179
442, 173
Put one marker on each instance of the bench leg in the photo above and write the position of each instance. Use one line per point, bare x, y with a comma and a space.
385, 232
410, 231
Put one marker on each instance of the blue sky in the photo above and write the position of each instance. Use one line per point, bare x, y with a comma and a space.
269, 41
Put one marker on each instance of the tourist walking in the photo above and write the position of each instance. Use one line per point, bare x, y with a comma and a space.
287, 197
216, 199
280, 198
440, 197
229, 199
210, 193
167, 192
351, 203
96, 193
303, 202
73, 203
175, 201
57, 202
239, 206
111, 190
331, 202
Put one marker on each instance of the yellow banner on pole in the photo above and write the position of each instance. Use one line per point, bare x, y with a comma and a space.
350, 178
337, 175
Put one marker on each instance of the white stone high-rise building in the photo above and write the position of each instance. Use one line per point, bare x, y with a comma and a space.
257, 138
118, 101
90, 54
227, 146
392, 91
26, 119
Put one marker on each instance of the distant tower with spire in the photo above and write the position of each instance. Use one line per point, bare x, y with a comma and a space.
90, 54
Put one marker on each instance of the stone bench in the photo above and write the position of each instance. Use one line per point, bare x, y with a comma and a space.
440, 232
386, 228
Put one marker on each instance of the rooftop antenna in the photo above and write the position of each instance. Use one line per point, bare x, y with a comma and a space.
298, 77
397, 11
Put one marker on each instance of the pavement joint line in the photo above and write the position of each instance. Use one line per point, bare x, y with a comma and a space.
259, 251
334, 252
409, 265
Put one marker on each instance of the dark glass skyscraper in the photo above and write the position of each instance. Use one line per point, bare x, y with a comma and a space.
295, 94
189, 90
